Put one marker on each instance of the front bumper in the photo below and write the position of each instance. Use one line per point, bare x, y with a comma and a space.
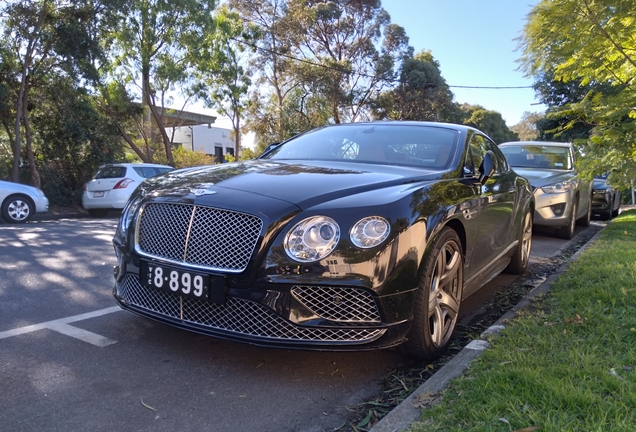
602, 202
272, 315
552, 210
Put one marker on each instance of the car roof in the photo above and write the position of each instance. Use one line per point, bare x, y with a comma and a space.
541, 143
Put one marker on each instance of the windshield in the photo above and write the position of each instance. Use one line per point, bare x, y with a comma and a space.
397, 144
538, 156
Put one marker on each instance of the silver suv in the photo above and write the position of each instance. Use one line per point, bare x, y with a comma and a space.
562, 198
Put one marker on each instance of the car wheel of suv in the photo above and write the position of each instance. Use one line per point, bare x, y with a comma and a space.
437, 299
519, 262
17, 209
567, 232
585, 220
98, 212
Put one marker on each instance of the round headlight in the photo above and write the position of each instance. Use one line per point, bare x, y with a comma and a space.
312, 239
370, 232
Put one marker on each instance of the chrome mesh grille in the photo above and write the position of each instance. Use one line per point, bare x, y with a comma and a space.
236, 315
203, 236
352, 305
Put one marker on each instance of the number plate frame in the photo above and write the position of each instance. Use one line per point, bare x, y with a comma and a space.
213, 288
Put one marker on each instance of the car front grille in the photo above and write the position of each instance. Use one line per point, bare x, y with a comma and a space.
206, 237
237, 315
347, 305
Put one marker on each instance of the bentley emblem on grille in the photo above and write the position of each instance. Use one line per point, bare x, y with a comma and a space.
199, 192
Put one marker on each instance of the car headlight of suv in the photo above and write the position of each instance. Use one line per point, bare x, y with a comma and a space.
312, 239
560, 187
369, 232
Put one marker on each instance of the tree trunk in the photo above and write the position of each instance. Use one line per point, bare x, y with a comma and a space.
35, 175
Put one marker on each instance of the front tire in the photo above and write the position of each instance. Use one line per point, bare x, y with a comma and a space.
567, 232
437, 299
585, 220
519, 261
17, 209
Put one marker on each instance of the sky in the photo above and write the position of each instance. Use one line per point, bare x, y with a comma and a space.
473, 40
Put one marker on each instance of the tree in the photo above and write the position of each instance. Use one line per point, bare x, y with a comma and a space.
338, 42
527, 129
267, 113
47, 37
421, 94
151, 45
590, 43
223, 81
489, 122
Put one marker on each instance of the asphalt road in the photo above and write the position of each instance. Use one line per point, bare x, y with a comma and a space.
71, 360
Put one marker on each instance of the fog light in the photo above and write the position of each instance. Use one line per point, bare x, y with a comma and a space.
558, 209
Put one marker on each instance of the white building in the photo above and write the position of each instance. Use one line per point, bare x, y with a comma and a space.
211, 140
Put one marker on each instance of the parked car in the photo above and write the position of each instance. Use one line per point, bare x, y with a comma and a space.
19, 202
347, 237
606, 201
112, 185
563, 199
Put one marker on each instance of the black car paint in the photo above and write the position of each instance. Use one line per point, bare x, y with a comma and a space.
416, 202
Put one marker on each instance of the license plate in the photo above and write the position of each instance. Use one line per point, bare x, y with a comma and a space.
98, 194
180, 282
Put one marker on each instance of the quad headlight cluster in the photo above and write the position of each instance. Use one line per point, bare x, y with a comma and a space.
314, 238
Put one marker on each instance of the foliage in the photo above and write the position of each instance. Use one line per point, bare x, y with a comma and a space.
589, 45
421, 94
223, 81
489, 122
186, 158
527, 129
151, 44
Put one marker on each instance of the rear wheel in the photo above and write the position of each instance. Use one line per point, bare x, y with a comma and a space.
437, 298
567, 232
519, 261
17, 209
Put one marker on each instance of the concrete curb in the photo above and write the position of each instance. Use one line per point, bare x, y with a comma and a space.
410, 409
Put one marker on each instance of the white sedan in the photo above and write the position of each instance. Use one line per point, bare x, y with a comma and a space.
20, 202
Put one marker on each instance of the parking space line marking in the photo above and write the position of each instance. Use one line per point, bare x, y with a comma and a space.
78, 333
61, 326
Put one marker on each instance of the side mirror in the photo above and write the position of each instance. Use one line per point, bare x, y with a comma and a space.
487, 168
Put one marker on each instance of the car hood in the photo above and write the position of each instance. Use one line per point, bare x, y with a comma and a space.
301, 183
543, 177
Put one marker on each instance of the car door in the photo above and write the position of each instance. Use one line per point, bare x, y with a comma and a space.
491, 222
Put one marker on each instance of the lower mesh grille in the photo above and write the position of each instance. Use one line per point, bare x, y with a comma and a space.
236, 315
351, 305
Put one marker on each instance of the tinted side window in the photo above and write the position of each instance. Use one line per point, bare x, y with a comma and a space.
476, 154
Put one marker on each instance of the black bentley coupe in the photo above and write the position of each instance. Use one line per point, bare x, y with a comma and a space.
348, 237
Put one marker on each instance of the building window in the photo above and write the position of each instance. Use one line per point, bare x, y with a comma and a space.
229, 150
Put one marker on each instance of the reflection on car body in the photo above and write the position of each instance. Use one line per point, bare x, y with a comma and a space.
348, 237
562, 198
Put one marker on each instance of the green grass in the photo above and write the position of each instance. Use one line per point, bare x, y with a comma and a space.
568, 363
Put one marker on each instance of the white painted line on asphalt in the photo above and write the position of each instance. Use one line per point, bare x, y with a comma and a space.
61, 326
